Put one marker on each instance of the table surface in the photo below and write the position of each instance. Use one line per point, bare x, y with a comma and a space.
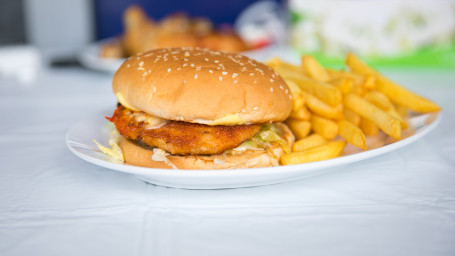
53, 203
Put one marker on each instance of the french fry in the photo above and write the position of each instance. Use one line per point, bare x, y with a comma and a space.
298, 102
310, 141
379, 99
368, 127
301, 114
324, 127
328, 150
395, 92
387, 123
369, 82
345, 84
351, 117
297, 98
276, 62
325, 92
359, 90
314, 69
358, 79
352, 134
393, 112
293, 86
321, 108
300, 128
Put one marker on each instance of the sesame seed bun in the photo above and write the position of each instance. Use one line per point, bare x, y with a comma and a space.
203, 86
135, 154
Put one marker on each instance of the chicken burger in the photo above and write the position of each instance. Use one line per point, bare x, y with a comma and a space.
191, 108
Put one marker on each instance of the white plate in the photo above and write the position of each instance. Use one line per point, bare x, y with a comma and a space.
80, 137
90, 57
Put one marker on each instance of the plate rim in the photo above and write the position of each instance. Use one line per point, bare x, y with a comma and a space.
245, 172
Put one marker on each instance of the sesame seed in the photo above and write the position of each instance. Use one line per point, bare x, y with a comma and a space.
286, 91
281, 87
179, 68
185, 64
184, 81
216, 61
206, 59
221, 78
271, 80
255, 81
145, 73
271, 89
235, 81
224, 73
187, 54
169, 70
211, 71
235, 75
195, 76
198, 68
128, 65
140, 68
243, 110
141, 63
255, 108
251, 74
192, 65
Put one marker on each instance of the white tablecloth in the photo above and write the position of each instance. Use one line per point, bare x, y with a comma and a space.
53, 203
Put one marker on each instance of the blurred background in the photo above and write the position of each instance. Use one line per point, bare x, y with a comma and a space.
100, 33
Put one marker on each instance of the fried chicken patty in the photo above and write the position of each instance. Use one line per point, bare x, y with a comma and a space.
181, 138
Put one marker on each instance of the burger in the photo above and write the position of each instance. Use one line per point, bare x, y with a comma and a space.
187, 108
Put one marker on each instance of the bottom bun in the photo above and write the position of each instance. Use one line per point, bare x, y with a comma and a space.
138, 155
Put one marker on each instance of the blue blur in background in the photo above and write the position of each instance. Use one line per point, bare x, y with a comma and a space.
108, 13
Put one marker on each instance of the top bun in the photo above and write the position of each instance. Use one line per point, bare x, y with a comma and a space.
202, 86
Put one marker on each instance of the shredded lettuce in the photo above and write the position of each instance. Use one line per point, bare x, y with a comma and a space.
269, 133
114, 151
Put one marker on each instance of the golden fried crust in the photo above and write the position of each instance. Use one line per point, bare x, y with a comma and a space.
182, 138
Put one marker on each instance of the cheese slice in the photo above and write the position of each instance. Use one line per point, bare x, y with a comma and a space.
231, 119
122, 101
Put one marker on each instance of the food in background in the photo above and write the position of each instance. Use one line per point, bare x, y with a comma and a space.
142, 33
392, 33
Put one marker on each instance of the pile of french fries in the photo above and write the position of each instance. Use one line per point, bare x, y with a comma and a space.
334, 107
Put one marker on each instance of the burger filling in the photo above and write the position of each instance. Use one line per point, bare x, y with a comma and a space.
182, 138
